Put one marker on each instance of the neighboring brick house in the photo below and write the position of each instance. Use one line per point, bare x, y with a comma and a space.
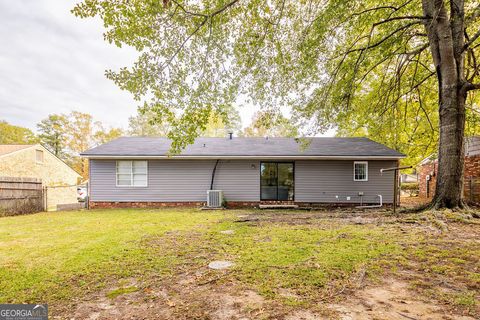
37, 162
429, 166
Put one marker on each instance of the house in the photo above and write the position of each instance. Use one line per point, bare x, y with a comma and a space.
408, 178
428, 169
35, 161
138, 172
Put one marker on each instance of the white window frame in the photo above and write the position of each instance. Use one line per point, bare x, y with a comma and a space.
43, 156
131, 185
366, 170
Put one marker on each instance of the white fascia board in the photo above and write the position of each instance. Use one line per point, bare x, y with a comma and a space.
249, 157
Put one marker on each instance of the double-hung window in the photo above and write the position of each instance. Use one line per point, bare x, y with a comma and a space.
360, 171
39, 156
132, 173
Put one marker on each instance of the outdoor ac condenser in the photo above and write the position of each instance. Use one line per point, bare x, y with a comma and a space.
214, 198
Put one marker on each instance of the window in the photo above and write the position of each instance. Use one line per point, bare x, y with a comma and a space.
39, 156
276, 181
360, 171
132, 174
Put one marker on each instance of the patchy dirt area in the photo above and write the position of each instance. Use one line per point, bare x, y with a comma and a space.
416, 284
392, 300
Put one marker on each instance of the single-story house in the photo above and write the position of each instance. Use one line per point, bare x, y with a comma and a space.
138, 171
428, 169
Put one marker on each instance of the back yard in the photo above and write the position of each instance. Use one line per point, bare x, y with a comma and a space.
339, 264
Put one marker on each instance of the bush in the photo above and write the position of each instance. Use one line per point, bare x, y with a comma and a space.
412, 188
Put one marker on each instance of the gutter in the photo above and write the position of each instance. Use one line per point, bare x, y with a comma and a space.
245, 157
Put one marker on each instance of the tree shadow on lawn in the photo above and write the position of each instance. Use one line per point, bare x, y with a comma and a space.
303, 265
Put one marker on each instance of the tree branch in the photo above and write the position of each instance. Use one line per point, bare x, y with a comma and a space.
393, 8
401, 18
472, 86
472, 40
376, 44
204, 15
185, 41
191, 13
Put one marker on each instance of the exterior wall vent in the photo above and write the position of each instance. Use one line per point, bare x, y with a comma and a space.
214, 198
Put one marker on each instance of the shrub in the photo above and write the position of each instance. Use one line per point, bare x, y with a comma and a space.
411, 188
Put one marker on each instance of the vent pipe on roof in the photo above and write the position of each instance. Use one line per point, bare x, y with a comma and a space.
230, 135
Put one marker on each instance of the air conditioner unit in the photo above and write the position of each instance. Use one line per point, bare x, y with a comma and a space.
214, 198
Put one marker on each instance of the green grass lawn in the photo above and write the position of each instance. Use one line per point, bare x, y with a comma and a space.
54, 256
58, 256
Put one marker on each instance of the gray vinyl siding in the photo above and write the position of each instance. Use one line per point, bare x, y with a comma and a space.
239, 179
322, 181
175, 180
178, 180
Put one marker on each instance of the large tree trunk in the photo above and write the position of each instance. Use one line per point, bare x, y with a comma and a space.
449, 188
446, 40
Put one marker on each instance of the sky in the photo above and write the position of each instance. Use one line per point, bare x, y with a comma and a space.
54, 62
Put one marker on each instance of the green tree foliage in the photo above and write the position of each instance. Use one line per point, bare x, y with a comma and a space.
84, 133
53, 133
270, 124
11, 134
103, 135
146, 124
220, 126
376, 68
197, 57
67, 135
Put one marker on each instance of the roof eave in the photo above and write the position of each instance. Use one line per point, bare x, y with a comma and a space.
284, 157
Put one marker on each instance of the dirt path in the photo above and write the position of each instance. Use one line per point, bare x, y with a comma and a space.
189, 300
393, 300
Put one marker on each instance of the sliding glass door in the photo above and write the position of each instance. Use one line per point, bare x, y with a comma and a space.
276, 181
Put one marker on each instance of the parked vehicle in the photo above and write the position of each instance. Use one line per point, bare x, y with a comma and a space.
82, 194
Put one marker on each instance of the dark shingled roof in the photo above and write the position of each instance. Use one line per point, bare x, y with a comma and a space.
246, 147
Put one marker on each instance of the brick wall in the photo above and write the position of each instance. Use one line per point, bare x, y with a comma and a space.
471, 177
427, 188
472, 166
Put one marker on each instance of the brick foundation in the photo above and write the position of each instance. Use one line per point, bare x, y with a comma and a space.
113, 205
230, 204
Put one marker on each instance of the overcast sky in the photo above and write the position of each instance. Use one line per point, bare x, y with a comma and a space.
53, 62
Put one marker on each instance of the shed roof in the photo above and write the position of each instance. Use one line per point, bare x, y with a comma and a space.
156, 147
9, 148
